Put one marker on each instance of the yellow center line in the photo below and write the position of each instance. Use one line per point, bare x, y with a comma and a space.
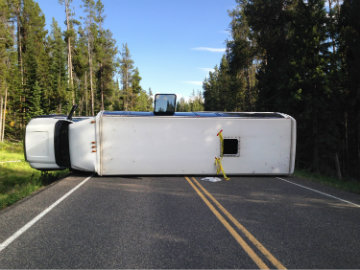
257, 260
252, 238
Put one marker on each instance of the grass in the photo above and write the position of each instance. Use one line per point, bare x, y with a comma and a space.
17, 179
347, 185
11, 151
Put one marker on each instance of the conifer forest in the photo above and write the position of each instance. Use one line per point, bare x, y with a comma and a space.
299, 57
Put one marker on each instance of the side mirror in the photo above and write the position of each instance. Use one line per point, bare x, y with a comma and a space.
165, 104
73, 109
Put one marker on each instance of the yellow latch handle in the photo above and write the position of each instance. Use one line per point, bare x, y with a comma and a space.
221, 143
219, 167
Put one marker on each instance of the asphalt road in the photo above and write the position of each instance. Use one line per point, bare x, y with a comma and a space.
174, 222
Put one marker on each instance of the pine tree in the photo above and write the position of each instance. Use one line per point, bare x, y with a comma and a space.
349, 30
105, 51
219, 89
5, 44
99, 43
126, 67
69, 37
229, 95
16, 7
143, 102
35, 60
135, 81
231, 87
81, 72
196, 102
241, 55
36, 77
269, 23
211, 91
310, 94
182, 106
14, 87
57, 96
91, 32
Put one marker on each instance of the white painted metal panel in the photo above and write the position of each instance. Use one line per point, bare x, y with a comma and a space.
39, 143
81, 138
177, 145
293, 144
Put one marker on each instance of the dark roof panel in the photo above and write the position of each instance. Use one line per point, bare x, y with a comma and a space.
199, 114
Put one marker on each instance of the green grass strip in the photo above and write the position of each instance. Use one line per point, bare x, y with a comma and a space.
347, 185
17, 179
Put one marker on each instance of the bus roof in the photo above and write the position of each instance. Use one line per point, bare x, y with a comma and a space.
199, 114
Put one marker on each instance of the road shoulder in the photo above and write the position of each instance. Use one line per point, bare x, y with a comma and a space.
17, 215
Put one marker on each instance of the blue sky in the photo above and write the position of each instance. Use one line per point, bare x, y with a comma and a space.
174, 43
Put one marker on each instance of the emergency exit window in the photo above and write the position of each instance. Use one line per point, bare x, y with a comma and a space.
231, 147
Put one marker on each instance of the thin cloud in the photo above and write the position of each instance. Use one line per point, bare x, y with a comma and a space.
226, 32
208, 49
197, 83
180, 96
207, 70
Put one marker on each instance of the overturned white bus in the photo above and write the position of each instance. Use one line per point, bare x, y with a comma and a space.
164, 142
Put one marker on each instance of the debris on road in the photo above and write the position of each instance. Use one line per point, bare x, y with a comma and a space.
211, 179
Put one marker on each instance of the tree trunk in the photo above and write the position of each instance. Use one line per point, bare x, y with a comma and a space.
338, 7
91, 77
331, 36
127, 92
337, 165
315, 162
346, 135
86, 94
101, 88
71, 83
70, 67
1, 113
19, 47
248, 89
4, 116
358, 139
21, 66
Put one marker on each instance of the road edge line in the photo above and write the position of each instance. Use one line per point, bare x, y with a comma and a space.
28, 225
320, 192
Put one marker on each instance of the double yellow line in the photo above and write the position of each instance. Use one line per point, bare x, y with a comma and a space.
204, 195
